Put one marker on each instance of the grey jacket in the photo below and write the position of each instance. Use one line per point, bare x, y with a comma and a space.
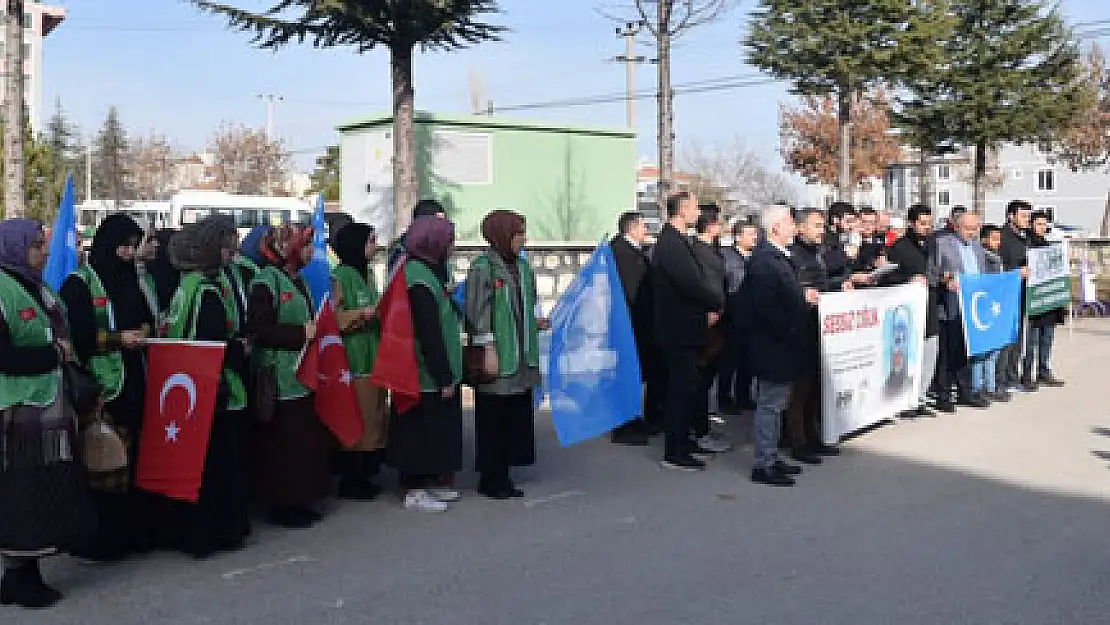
949, 260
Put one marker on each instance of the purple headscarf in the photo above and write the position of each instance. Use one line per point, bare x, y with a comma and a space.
16, 237
430, 239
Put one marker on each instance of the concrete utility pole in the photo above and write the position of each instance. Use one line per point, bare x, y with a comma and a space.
14, 192
630, 60
666, 106
269, 99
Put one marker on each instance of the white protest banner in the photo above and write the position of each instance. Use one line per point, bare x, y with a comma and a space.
1049, 284
871, 348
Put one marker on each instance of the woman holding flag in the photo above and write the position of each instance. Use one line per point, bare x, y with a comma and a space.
501, 318
291, 450
44, 502
110, 320
355, 291
202, 310
425, 439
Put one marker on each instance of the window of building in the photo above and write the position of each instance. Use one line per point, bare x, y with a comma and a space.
1046, 180
944, 172
944, 198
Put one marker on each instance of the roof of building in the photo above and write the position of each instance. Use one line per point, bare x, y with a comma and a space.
484, 121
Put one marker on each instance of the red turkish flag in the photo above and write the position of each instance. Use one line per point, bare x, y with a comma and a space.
324, 369
181, 383
395, 363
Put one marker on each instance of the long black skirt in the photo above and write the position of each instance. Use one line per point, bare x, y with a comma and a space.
44, 509
291, 459
504, 431
428, 439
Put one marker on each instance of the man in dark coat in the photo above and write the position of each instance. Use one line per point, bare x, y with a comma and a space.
1015, 243
708, 253
911, 254
777, 315
684, 311
633, 267
734, 381
1036, 369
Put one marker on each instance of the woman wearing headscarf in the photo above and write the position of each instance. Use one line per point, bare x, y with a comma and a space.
202, 310
425, 443
110, 318
291, 447
44, 504
156, 264
355, 291
501, 317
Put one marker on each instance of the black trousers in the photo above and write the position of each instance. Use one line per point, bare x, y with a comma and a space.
683, 383
654, 373
504, 435
951, 360
707, 374
1009, 362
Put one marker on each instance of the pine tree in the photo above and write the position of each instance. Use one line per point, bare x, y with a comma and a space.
325, 178
41, 189
111, 161
401, 26
839, 48
63, 139
1009, 75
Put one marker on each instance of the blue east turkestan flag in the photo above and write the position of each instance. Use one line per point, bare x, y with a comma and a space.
990, 305
593, 370
317, 273
62, 260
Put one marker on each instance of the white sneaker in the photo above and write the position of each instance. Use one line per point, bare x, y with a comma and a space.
422, 501
711, 444
446, 495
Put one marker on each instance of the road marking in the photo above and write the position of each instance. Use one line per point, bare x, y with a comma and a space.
532, 503
265, 567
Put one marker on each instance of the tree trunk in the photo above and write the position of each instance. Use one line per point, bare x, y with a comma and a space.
978, 185
405, 189
14, 196
844, 125
1104, 228
666, 109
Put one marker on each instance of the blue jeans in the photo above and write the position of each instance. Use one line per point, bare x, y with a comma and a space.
1038, 345
771, 401
984, 372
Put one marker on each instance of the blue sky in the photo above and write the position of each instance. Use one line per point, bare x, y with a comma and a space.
171, 69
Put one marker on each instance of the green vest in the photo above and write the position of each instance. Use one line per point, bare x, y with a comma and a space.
29, 327
504, 316
361, 346
106, 368
293, 309
416, 272
181, 324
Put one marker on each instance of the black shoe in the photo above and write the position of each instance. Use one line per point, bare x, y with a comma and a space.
946, 406
497, 491
771, 477
630, 438
806, 457
354, 488
683, 462
1028, 385
924, 412
294, 517
786, 468
1050, 380
1000, 396
822, 449
907, 415
975, 401
23, 586
651, 429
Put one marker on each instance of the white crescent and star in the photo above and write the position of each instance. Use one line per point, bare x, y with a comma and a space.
996, 310
332, 340
184, 381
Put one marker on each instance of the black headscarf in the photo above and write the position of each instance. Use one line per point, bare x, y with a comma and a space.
165, 275
350, 246
119, 277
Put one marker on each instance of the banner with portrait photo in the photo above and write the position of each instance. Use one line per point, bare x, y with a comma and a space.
871, 349
1049, 284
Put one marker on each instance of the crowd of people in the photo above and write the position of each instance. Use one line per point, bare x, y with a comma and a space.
738, 313
729, 316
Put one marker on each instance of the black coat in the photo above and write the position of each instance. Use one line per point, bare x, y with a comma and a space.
683, 294
634, 270
713, 264
777, 317
735, 268
913, 260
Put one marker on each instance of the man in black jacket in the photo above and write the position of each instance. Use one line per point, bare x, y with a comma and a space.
685, 305
734, 381
776, 320
633, 268
708, 228
911, 255
1015, 243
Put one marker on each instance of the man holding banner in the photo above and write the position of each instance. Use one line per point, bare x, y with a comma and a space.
1048, 293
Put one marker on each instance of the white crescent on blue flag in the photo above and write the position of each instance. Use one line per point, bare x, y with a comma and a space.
593, 379
62, 260
317, 273
990, 305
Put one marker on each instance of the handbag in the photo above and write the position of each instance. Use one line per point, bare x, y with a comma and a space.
102, 448
263, 393
81, 388
474, 366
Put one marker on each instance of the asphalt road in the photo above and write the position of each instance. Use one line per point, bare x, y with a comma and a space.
986, 517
